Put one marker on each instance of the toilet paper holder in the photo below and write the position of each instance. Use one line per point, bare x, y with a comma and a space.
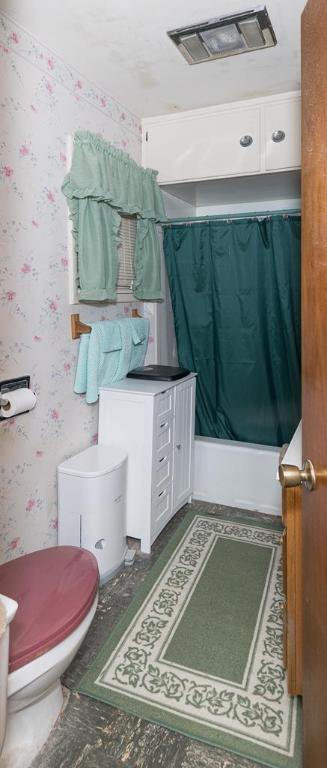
8, 385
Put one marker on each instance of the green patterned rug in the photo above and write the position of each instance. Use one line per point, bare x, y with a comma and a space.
200, 648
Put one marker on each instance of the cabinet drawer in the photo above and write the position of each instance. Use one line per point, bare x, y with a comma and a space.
282, 116
164, 402
161, 468
161, 509
163, 431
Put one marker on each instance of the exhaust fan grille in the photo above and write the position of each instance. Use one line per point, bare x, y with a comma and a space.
225, 36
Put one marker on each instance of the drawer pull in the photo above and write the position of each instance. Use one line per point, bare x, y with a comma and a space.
278, 136
162, 493
162, 459
246, 141
164, 424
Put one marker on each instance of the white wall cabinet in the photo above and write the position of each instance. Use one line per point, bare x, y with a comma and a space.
154, 423
206, 143
285, 117
204, 147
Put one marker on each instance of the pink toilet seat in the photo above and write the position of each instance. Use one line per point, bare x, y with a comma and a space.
54, 589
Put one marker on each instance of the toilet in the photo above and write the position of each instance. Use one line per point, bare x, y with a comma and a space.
56, 591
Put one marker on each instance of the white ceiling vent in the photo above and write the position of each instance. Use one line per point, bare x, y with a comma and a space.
225, 36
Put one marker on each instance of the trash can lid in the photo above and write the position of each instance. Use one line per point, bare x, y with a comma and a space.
95, 461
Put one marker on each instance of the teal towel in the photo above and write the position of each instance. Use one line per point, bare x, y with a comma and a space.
81, 370
106, 355
140, 336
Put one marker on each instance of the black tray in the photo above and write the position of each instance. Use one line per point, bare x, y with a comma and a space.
158, 373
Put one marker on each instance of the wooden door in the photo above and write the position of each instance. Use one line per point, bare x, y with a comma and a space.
293, 591
314, 377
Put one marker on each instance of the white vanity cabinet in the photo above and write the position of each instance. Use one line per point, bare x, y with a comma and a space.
153, 421
236, 139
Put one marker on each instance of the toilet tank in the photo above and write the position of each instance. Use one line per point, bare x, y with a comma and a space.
92, 505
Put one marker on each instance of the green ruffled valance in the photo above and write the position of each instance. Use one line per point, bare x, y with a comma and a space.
103, 183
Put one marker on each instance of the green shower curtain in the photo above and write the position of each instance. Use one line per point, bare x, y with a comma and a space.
235, 288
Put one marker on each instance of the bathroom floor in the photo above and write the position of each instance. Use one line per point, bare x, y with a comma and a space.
90, 734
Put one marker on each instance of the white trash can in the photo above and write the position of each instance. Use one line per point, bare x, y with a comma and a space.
92, 505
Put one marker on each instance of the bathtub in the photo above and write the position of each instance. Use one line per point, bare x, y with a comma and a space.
237, 474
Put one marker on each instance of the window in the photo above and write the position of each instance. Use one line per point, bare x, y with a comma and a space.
126, 251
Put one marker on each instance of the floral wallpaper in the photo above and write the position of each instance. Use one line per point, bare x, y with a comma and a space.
41, 101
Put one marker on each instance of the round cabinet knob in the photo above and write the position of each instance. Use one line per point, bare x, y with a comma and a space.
278, 136
246, 141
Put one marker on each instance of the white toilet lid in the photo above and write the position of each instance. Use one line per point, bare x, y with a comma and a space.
55, 589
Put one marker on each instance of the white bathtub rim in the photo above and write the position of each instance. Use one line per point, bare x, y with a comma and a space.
233, 444
237, 474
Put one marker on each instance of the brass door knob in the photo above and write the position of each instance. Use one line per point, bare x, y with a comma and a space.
290, 476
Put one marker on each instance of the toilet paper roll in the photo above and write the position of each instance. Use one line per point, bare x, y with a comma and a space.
17, 401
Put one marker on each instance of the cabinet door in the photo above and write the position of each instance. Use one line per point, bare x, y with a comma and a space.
204, 146
282, 116
183, 443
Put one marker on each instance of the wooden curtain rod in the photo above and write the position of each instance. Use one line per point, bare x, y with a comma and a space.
77, 327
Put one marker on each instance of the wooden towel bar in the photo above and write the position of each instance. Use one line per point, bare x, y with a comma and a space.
77, 327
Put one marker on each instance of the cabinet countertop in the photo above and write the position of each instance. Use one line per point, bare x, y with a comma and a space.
145, 386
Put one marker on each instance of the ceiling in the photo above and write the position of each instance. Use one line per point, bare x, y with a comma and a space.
122, 46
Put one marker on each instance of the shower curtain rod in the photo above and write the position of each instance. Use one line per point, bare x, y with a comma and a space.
233, 217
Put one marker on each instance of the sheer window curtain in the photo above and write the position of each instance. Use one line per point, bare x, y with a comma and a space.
102, 184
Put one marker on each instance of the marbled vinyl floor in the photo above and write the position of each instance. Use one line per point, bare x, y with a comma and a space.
90, 734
